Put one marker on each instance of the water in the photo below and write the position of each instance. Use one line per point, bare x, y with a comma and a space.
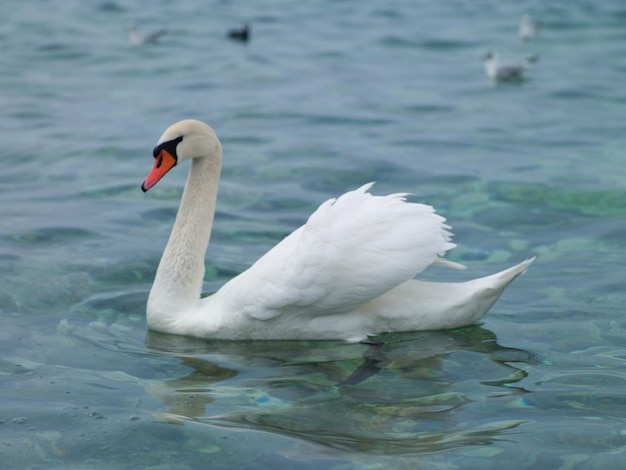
327, 96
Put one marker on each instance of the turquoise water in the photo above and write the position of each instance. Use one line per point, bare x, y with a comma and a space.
327, 96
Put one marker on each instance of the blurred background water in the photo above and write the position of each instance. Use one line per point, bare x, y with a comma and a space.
326, 96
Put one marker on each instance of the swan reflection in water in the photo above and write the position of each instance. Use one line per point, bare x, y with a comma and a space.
413, 388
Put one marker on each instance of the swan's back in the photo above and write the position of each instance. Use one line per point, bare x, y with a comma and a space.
351, 250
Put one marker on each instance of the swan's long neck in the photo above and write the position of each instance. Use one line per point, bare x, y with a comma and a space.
178, 280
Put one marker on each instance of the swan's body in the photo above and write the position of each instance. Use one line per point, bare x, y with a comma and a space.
346, 274
513, 72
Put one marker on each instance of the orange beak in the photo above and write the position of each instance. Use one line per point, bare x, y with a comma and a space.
163, 163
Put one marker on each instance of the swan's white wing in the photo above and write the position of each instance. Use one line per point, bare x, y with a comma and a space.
351, 250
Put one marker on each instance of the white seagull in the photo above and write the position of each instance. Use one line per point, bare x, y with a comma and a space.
512, 72
528, 27
136, 39
347, 273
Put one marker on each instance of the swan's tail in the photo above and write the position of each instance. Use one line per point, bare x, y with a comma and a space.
469, 301
508, 275
421, 305
476, 297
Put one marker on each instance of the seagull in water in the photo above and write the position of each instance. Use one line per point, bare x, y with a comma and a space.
528, 28
136, 39
506, 72
242, 34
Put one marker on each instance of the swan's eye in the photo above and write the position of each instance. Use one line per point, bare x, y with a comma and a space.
169, 146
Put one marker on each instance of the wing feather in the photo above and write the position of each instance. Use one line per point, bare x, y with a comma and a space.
351, 250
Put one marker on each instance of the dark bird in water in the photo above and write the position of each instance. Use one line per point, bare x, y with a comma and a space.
242, 34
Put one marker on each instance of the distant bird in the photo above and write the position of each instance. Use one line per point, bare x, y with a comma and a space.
136, 39
528, 28
513, 72
242, 34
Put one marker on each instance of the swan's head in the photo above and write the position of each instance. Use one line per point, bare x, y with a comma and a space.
182, 141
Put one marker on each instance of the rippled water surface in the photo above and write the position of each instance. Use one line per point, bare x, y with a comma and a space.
325, 97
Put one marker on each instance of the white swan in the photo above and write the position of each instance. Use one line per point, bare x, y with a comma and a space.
346, 274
